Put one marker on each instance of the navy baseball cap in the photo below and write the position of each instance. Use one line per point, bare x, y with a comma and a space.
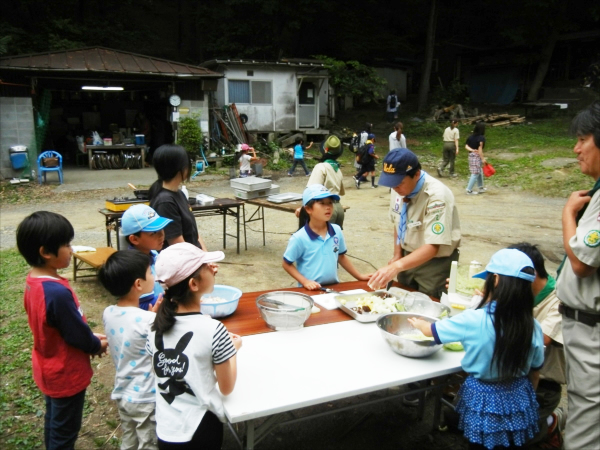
317, 192
142, 218
509, 262
395, 166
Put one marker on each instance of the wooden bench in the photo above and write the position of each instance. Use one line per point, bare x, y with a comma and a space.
90, 261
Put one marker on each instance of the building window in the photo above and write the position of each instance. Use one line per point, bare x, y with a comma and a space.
252, 92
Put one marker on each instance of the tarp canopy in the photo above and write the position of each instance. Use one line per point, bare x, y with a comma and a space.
497, 85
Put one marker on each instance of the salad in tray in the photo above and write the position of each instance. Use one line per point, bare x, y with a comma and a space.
373, 304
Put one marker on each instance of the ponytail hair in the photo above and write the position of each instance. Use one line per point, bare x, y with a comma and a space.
178, 294
512, 320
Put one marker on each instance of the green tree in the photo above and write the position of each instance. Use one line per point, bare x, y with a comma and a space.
352, 78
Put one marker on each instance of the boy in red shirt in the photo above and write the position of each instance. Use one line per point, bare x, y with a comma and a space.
62, 339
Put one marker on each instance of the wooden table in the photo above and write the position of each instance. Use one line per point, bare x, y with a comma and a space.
220, 207
92, 259
262, 203
333, 357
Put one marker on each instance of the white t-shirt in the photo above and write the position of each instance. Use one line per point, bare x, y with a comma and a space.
395, 143
245, 162
183, 361
127, 329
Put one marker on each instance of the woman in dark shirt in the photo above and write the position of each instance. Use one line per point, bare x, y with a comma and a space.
475, 144
172, 164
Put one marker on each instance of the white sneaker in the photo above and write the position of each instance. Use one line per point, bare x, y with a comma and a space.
482, 189
472, 192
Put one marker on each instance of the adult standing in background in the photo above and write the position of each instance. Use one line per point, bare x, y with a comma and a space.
450, 149
328, 174
172, 165
428, 235
392, 106
578, 288
397, 139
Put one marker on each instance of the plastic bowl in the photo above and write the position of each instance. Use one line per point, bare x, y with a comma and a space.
284, 311
224, 309
394, 325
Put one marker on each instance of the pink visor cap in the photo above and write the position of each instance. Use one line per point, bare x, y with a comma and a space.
179, 261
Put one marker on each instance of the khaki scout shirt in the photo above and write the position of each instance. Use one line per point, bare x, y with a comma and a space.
583, 293
546, 313
450, 134
432, 218
326, 175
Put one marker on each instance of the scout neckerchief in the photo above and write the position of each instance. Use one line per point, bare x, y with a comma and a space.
550, 285
577, 218
404, 211
333, 164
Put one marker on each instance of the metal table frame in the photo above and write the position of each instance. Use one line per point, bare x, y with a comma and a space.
220, 207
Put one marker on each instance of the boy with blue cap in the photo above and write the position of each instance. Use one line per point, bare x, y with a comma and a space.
428, 234
319, 246
143, 229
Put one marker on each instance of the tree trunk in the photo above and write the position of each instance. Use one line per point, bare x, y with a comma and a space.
429, 44
542, 69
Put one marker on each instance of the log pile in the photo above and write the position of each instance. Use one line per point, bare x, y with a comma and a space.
494, 120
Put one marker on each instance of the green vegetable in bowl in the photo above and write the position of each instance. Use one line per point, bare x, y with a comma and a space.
444, 314
454, 346
399, 307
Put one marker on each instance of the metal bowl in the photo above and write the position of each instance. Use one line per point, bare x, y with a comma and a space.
394, 325
419, 303
221, 309
283, 310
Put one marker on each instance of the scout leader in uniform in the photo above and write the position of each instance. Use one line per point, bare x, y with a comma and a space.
428, 233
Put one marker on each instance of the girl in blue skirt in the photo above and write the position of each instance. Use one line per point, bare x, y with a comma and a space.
504, 350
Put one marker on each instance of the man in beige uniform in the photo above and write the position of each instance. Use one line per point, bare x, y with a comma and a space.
428, 233
450, 149
578, 288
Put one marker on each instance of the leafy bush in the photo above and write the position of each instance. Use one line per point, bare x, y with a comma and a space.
454, 93
189, 135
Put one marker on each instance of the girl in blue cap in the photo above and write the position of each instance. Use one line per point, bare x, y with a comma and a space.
504, 351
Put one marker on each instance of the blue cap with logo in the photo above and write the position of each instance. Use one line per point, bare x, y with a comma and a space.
142, 218
317, 192
509, 262
395, 165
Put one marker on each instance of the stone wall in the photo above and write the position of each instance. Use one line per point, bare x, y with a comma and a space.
16, 128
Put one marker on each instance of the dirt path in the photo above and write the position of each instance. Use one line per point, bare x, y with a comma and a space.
489, 222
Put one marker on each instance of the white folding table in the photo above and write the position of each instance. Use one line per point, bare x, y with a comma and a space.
284, 371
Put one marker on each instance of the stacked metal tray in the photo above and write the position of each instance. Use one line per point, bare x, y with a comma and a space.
284, 198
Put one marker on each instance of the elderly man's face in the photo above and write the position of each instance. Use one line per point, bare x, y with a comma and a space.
588, 156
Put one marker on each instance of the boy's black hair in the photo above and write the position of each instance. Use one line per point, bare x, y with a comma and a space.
535, 255
588, 122
138, 234
121, 269
43, 229
299, 140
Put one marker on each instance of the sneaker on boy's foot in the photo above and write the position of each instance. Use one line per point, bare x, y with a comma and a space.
374, 186
308, 174
439, 171
472, 192
482, 189
357, 183
289, 174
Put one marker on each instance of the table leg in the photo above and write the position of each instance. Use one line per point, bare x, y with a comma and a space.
74, 268
437, 409
250, 434
244, 213
108, 239
224, 212
117, 232
263, 224
237, 217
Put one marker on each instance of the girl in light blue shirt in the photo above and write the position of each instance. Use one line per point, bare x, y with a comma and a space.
504, 350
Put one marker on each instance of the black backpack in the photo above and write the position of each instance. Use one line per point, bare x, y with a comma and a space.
393, 101
362, 154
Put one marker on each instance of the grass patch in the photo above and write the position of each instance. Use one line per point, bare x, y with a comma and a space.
517, 152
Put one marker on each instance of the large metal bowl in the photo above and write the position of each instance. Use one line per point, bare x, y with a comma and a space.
284, 311
394, 325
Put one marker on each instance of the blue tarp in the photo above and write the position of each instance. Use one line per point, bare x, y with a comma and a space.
499, 85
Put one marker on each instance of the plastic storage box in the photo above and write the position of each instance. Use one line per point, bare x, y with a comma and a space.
18, 157
250, 184
204, 200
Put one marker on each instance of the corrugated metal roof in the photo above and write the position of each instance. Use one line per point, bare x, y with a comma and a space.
104, 60
253, 62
